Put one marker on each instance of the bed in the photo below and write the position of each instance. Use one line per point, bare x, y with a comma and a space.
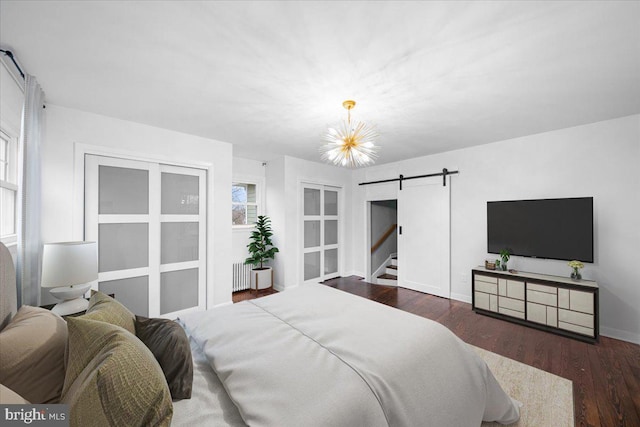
310, 356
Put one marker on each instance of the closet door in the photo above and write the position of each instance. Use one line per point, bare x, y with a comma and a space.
149, 222
182, 239
320, 231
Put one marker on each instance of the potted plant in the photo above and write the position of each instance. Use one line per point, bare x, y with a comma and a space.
261, 249
505, 254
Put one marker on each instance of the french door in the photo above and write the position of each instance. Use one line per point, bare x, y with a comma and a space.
149, 221
424, 245
320, 231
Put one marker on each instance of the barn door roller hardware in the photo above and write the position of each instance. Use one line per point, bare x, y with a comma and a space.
401, 178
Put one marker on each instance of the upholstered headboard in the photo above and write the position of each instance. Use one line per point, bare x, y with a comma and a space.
8, 297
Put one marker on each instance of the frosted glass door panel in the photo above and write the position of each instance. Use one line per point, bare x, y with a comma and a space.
311, 234
133, 293
123, 190
311, 201
179, 242
123, 246
330, 202
311, 265
178, 290
330, 261
331, 232
180, 194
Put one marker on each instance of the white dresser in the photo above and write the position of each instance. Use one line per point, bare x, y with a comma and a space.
551, 303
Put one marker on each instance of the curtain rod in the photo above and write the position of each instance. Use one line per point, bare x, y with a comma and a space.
401, 178
13, 59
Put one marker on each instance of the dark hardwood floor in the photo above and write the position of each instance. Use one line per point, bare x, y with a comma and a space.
605, 375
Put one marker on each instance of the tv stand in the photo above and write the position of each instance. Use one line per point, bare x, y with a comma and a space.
551, 303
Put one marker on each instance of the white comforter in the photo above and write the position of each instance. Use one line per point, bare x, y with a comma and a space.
316, 356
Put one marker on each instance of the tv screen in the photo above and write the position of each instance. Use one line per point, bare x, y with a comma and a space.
549, 228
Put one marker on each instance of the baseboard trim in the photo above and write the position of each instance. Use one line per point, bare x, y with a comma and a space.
353, 273
223, 304
461, 297
279, 288
620, 334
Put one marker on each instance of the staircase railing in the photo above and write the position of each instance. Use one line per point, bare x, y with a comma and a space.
384, 237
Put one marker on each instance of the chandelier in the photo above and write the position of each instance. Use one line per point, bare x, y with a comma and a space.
350, 144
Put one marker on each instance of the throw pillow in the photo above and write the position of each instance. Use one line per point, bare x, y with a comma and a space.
169, 344
106, 309
32, 354
112, 378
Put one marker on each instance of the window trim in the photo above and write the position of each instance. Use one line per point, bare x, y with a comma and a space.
12, 167
259, 183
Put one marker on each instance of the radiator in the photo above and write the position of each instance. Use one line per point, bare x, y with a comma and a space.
241, 276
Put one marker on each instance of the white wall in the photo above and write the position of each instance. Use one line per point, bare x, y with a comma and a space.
62, 215
600, 159
252, 171
284, 188
275, 203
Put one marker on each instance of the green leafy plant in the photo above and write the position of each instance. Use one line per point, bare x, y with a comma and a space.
505, 254
261, 248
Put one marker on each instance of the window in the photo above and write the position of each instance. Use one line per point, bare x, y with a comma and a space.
8, 188
244, 204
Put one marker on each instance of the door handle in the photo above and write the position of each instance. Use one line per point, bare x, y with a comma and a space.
400, 229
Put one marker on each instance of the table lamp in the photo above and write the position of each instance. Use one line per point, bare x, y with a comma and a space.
68, 268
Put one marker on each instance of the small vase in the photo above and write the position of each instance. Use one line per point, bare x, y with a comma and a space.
504, 266
575, 274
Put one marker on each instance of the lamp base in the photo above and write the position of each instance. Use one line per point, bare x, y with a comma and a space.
73, 299
70, 306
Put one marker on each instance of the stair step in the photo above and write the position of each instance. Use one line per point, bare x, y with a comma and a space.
394, 261
388, 276
394, 267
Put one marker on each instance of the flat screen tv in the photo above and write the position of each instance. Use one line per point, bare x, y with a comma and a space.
547, 228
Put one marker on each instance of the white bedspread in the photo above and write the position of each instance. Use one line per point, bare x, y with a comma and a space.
316, 356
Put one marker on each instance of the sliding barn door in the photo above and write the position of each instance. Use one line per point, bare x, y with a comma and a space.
320, 221
424, 245
149, 221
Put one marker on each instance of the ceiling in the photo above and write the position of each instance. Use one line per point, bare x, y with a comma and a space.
270, 76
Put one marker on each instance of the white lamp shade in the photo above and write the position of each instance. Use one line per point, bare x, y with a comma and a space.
69, 263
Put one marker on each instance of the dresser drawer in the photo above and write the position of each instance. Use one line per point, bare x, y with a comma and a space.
563, 298
552, 316
512, 313
542, 288
537, 313
542, 298
487, 279
575, 328
490, 288
515, 289
486, 301
581, 301
511, 304
580, 319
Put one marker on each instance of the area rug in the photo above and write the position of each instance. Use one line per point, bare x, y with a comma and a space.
547, 399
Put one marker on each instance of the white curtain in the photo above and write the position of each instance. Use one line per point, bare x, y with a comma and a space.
28, 206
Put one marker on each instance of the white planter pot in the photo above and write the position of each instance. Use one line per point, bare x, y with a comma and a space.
262, 279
